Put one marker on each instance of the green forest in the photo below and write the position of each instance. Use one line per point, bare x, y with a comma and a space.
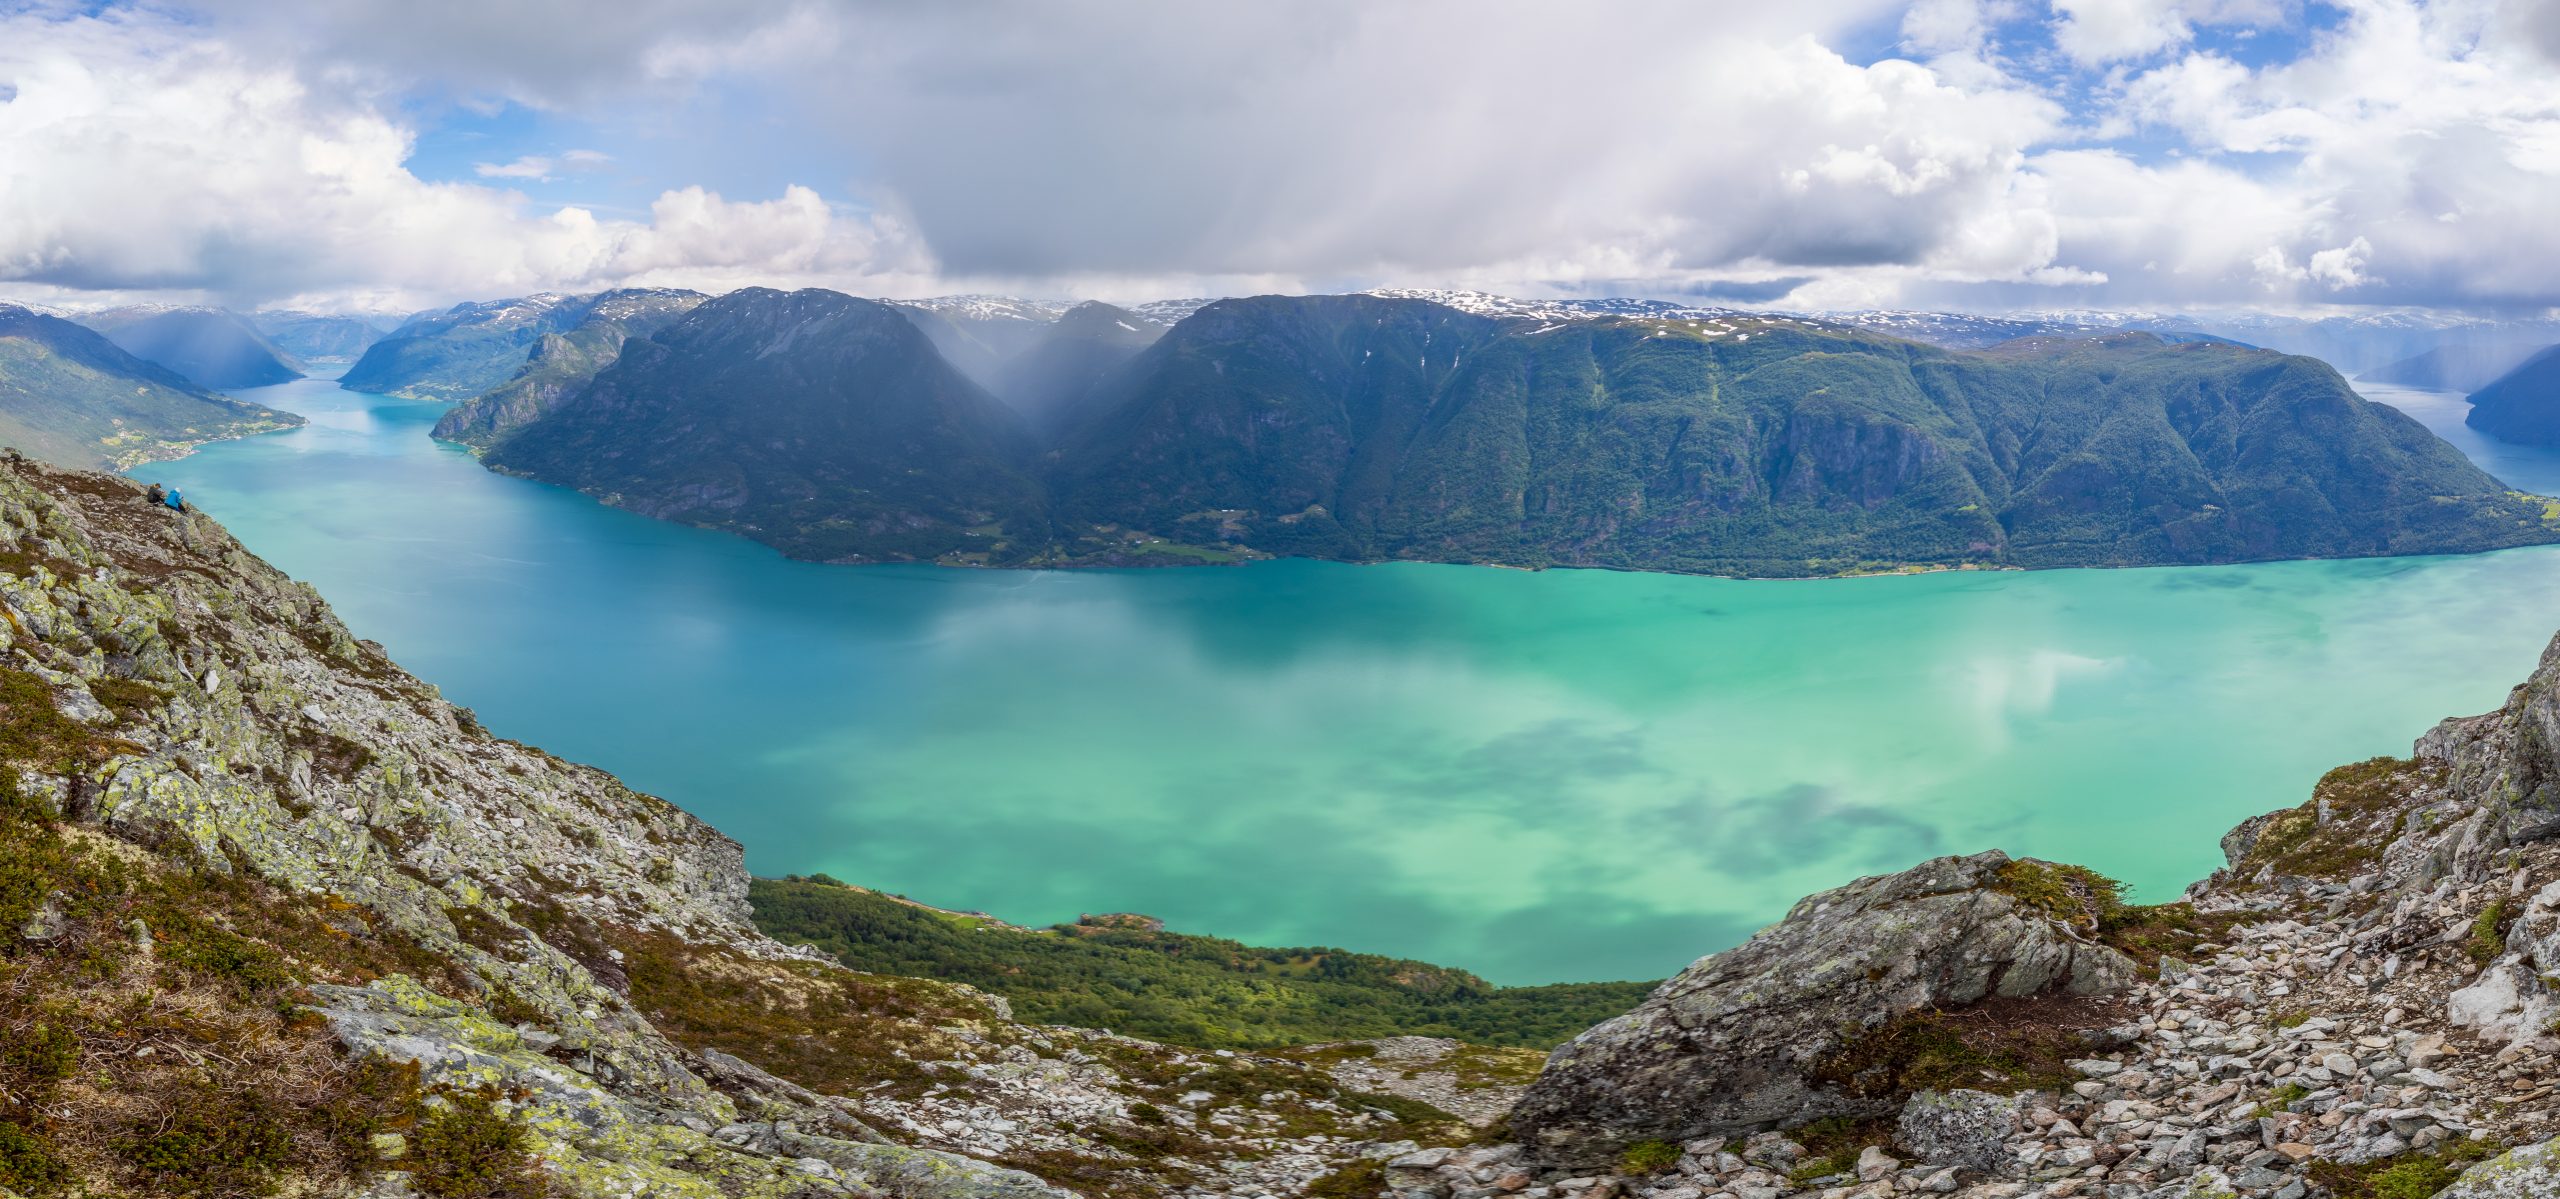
1123, 974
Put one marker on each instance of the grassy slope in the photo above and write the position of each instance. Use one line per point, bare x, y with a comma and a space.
1187, 990
68, 395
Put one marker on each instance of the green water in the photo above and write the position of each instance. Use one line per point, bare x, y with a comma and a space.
1566, 775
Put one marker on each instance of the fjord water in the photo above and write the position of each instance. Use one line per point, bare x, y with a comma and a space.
1561, 775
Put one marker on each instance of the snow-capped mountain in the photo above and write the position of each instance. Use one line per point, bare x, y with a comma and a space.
990, 308
1488, 304
1171, 312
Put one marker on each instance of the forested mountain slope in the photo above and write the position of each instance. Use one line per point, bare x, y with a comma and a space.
70, 395
1372, 427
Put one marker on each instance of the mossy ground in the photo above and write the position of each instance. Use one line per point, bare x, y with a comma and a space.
2074, 895
149, 1040
2341, 831
2409, 1176
2002, 1046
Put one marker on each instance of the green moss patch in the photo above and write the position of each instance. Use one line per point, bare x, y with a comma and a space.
2074, 895
2409, 1176
2002, 1046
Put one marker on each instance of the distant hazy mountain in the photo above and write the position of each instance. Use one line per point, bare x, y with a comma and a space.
469, 348
817, 422
70, 395
208, 346
2355, 344
561, 363
1048, 381
1369, 427
315, 336
2522, 405
978, 335
2464, 367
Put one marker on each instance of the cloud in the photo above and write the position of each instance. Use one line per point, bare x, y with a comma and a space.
136, 155
2103, 31
2121, 152
543, 167
531, 166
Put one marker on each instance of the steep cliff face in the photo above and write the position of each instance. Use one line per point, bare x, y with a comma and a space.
284, 919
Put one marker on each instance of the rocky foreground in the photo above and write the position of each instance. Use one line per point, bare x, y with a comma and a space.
2364, 1002
285, 922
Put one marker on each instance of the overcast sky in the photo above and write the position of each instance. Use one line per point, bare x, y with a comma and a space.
1978, 154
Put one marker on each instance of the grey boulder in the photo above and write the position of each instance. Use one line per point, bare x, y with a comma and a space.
1970, 1130
1730, 1045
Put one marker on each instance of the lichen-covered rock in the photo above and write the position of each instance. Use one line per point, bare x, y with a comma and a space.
2532, 1172
1970, 1130
1730, 1045
538, 928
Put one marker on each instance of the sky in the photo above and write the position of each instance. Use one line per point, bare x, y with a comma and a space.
1985, 155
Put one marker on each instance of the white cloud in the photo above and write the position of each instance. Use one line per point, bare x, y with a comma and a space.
136, 156
2103, 31
530, 166
2120, 150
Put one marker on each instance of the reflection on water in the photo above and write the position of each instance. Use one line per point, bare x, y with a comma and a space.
1572, 774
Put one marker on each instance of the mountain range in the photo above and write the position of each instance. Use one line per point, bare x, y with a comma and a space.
69, 394
1372, 427
465, 350
319, 336
211, 347
2460, 366
560, 363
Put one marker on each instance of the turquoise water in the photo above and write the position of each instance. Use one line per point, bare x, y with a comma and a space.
1567, 775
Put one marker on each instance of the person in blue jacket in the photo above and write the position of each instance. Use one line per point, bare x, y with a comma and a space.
177, 500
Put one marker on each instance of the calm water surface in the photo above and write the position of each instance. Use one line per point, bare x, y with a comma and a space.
1567, 775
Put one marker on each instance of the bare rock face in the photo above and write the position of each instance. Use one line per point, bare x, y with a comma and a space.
1731, 1045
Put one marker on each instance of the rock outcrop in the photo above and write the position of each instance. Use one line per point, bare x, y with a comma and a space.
1738, 1042
2360, 1003
269, 892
